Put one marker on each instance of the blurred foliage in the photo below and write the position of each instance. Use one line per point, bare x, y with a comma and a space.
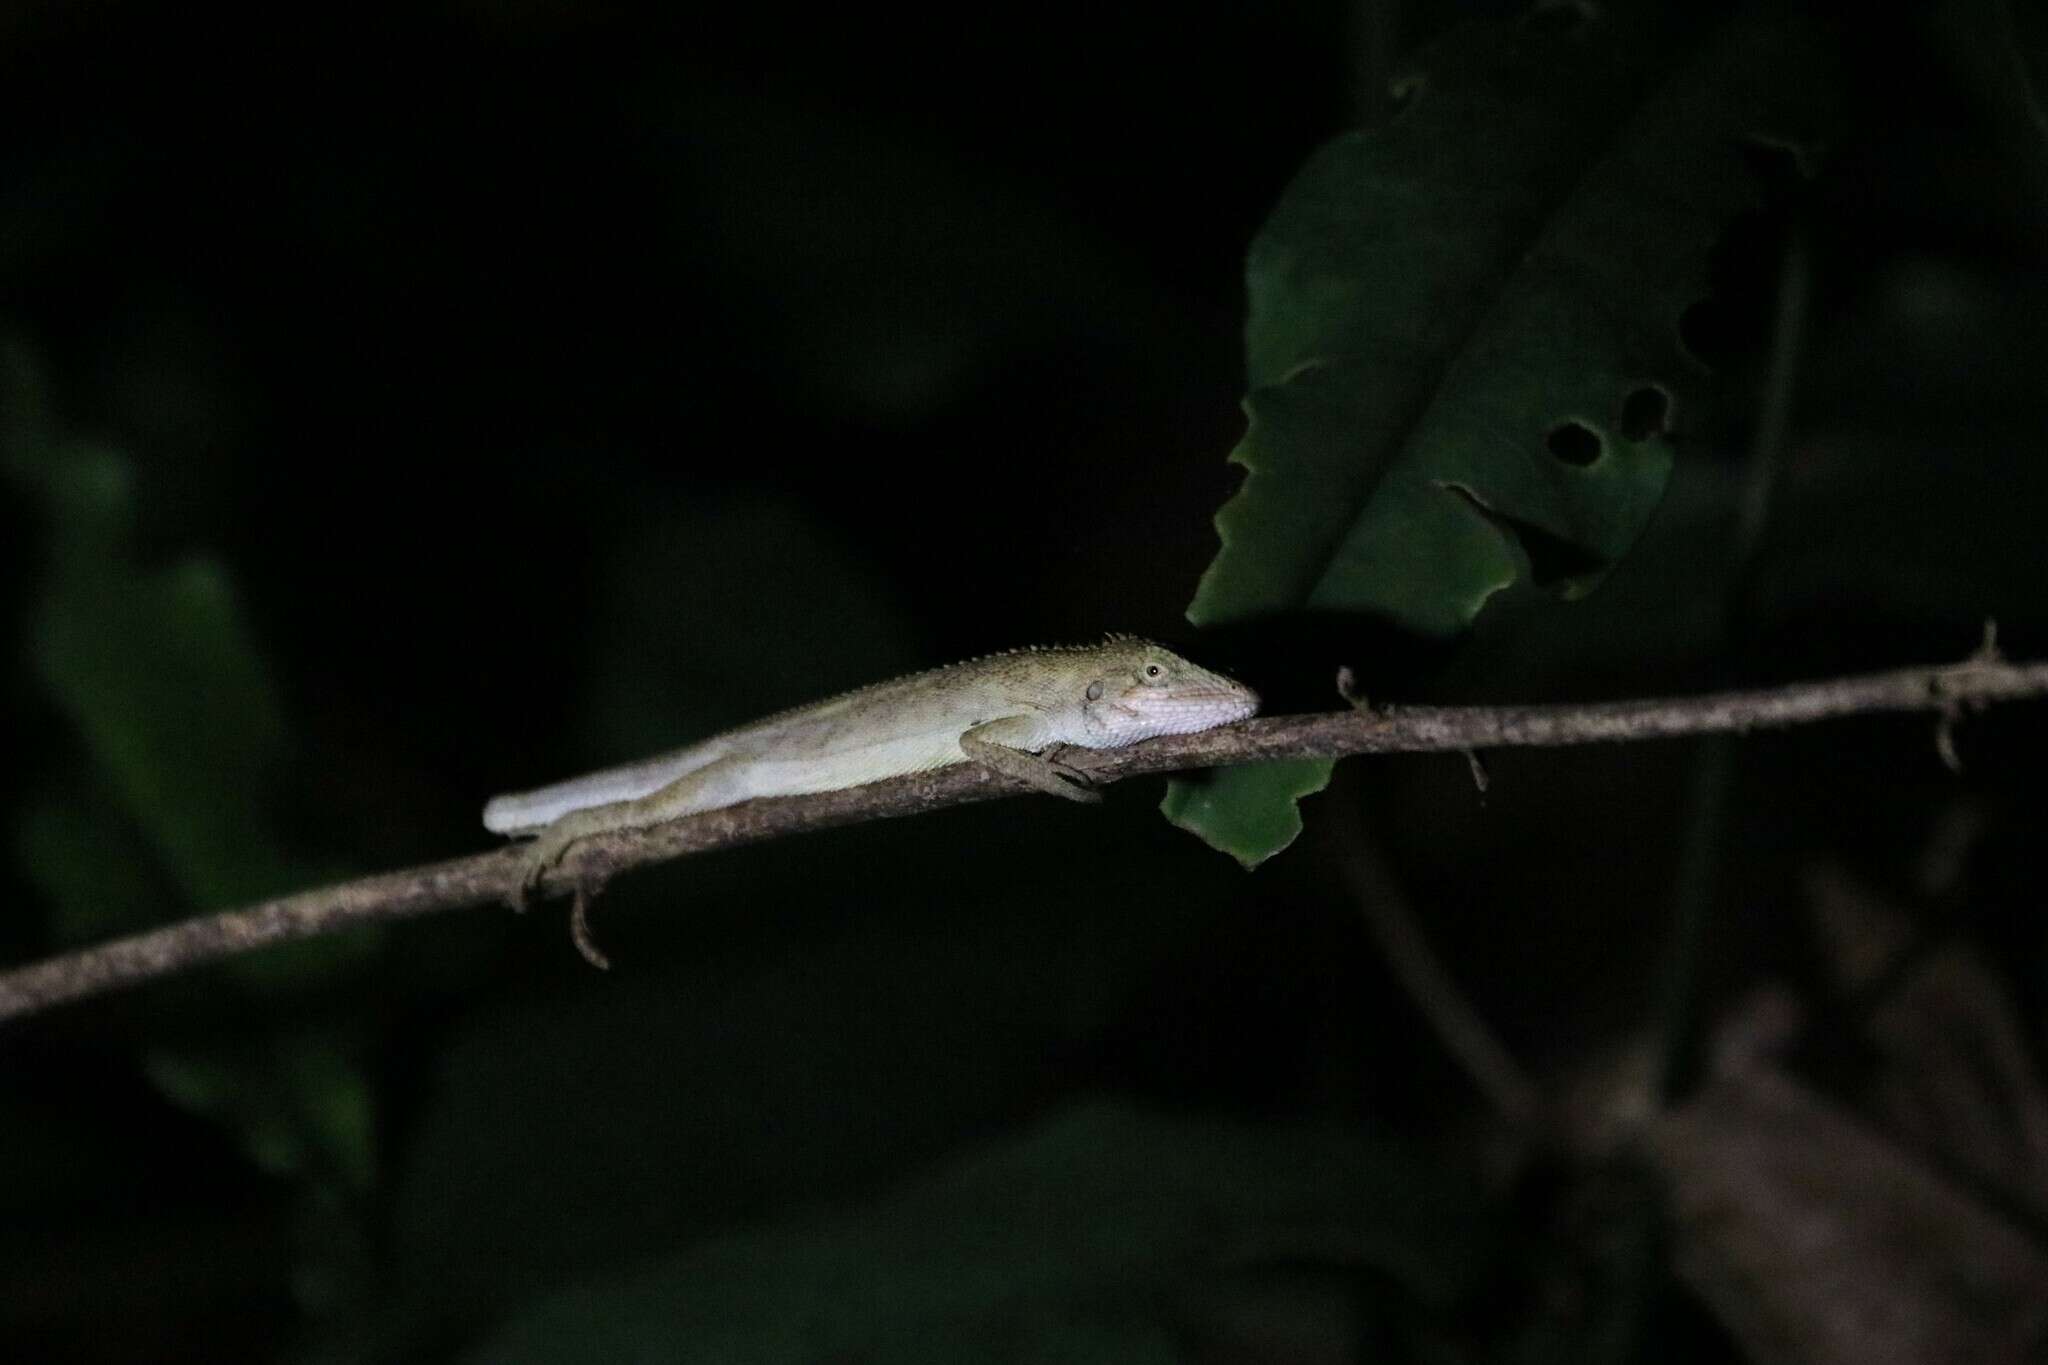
895, 274
158, 673
401, 405
1100, 1235
698, 1093
668, 666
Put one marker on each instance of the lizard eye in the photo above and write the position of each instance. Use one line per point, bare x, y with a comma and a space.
1095, 691
1153, 670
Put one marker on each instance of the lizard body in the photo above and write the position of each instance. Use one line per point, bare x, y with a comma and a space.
1001, 710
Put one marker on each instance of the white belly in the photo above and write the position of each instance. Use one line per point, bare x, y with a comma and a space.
849, 768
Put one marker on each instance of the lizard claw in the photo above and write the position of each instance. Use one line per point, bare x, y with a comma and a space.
1078, 784
1081, 789
524, 888
542, 857
579, 929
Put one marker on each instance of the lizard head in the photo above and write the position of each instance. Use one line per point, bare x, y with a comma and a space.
1137, 690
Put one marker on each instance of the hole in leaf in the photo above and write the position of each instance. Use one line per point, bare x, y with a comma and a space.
1575, 443
1644, 413
1560, 18
1554, 562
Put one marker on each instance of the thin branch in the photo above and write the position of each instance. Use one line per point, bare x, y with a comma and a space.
490, 878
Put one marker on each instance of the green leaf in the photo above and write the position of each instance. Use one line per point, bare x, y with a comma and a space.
299, 1103
1257, 814
1463, 343
158, 671
162, 675
166, 683
164, 679
97, 874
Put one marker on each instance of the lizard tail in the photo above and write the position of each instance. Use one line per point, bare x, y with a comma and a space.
526, 812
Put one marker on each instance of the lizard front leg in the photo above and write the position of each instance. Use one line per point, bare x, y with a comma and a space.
997, 745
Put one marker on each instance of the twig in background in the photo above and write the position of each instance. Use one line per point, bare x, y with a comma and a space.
1400, 938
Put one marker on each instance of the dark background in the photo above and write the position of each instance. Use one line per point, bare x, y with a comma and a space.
545, 384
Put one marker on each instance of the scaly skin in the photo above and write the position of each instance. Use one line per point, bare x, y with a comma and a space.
1002, 710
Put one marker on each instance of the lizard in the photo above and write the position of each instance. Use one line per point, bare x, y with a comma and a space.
1004, 711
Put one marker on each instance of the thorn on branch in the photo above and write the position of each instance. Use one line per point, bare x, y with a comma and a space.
1988, 652
1478, 767
1945, 741
1986, 655
1347, 688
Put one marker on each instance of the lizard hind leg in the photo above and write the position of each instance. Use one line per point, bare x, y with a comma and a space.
715, 784
999, 746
